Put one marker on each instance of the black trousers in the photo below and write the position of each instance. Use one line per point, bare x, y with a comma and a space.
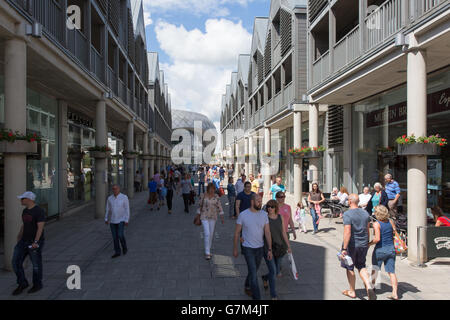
186, 202
169, 198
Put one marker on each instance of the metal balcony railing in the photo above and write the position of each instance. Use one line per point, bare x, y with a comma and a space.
78, 44
97, 64
112, 81
380, 26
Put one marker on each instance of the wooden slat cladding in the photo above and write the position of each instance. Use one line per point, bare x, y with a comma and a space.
286, 31
260, 63
315, 7
268, 54
103, 5
114, 15
335, 126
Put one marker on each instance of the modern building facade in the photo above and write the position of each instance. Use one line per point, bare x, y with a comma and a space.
385, 66
77, 86
194, 138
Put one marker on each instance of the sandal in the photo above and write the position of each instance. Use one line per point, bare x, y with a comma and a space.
391, 297
371, 294
347, 293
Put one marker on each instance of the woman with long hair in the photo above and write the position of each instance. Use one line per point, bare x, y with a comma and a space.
315, 199
210, 208
280, 245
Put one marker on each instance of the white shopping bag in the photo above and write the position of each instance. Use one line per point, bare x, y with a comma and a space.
293, 266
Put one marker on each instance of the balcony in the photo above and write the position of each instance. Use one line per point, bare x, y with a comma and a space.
122, 91
276, 58
269, 108
288, 94
112, 81
77, 43
380, 26
278, 102
97, 64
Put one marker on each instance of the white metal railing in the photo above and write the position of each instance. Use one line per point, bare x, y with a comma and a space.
347, 49
321, 68
288, 93
383, 22
269, 108
277, 102
423, 6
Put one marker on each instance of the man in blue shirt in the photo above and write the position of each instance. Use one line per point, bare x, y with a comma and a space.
222, 173
152, 188
392, 189
277, 187
243, 199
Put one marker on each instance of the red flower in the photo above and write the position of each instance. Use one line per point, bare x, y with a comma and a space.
441, 144
406, 140
426, 141
444, 140
35, 135
32, 140
10, 134
404, 136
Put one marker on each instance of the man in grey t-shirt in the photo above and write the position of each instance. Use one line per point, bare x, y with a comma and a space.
254, 224
356, 245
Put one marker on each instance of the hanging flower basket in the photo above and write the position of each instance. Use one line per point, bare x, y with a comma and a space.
16, 142
421, 146
100, 152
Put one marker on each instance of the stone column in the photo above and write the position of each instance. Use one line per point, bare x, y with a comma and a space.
152, 161
101, 168
246, 148
15, 119
314, 140
250, 151
298, 177
267, 165
130, 160
417, 165
145, 169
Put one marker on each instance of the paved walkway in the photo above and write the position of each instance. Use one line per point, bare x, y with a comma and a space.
166, 261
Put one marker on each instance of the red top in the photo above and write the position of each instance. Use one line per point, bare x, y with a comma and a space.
444, 221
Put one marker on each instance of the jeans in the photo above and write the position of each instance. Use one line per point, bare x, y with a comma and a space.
271, 265
186, 202
202, 185
169, 198
315, 217
253, 258
117, 230
231, 202
208, 231
21, 251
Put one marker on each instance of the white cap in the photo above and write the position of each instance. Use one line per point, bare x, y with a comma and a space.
27, 195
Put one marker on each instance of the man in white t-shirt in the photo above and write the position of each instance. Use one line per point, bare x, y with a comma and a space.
364, 198
254, 224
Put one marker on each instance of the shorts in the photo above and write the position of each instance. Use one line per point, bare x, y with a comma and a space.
384, 255
153, 197
358, 255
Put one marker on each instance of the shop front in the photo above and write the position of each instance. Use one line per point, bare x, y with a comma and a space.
379, 120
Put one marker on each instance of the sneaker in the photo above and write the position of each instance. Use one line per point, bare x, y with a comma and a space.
313, 232
35, 289
19, 290
115, 255
248, 292
125, 251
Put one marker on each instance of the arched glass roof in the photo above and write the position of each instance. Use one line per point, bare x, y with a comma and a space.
182, 119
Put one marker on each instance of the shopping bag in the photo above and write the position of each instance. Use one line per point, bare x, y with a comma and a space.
293, 266
399, 244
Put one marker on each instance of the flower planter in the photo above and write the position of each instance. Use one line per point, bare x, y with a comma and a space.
18, 146
419, 149
100, 154
313, 155
297, 156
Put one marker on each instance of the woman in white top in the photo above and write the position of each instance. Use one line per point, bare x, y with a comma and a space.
343, 196
364, 198
210, 208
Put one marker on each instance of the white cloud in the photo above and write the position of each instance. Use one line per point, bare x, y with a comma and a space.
201, 62
147, 18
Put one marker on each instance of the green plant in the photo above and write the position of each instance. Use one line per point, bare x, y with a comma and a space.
433, 139
10, 136
100, 148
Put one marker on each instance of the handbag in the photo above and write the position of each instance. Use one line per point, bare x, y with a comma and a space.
197, 220
399, 244
278, 250
221, 192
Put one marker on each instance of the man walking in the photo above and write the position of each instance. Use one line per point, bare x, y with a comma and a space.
201, 181
240, 184
30, 242
243, 199
356, 245
222, 173
254, 224
277, 187
118, 207
137, 181
392, 189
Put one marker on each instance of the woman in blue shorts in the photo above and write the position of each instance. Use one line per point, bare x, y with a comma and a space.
384, 252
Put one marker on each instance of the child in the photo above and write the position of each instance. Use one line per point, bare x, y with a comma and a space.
300, 217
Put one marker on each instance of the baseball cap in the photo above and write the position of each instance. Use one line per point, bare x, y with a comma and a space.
27, 195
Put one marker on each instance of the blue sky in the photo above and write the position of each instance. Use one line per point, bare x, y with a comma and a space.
198, 42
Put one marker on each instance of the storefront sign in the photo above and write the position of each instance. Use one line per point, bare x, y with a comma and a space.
436, 102
438, 242
78, 119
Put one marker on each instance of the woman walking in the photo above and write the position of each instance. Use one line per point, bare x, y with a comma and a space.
209, 210
170, 186
280, 245
231, 193
315, 199
384, 252
379, 197
186, 192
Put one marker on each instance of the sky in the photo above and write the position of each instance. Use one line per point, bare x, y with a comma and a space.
199, 42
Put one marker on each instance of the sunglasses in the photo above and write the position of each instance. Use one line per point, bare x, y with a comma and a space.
281, 197
271, 207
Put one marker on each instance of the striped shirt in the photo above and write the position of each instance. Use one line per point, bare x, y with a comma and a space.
392, 189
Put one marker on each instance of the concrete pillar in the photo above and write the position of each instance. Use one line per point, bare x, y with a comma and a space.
417, 165
246, 147
298, 177
361, 129
267, 165
145, 169
314, 140
250, 151
15, 172
130, 161
152, 162
237, 162
101, 168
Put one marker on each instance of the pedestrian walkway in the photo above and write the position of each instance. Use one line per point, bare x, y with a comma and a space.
166, 261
